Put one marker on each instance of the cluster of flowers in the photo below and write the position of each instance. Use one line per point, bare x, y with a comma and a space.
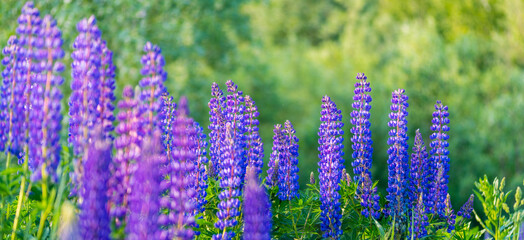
148, 175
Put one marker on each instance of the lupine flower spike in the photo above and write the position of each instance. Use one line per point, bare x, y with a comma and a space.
330, 168
94, 217
128, 151
235, 114
449, 214
8, 110
419, 171
419, 222
216, 127
287, 164
272, 171
439, 159
465, 210
257, 209
255, 147
46, 117
362, 148
398, 157
143, 221
107, 87
152, 84
200, 173
85, 92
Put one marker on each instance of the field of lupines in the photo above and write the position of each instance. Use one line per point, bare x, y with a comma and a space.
142, 168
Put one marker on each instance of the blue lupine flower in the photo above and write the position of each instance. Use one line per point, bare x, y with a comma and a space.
465, 210
152, 84
362, 148
166, 115
200, 173
181, 192
255, 147
257, 209
216, 127
398, 167
85, 92
330, 167
419, 171
144, 201
287, 164
272, 170
94, 217
439, 159
46, 118
419, 222
107, 87
30, 42
449, 214
127, 144
8, 112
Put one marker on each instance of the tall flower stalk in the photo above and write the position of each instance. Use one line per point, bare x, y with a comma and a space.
272, 170
255, 147
362, 148
330, 168
8, 112
257, 209
144, 201
287, 164
216, 127
398, 167
439, 159
152, 84
199, 175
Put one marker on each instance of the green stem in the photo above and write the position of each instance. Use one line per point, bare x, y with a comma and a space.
58, 201
44, 202
292, 219
18, 208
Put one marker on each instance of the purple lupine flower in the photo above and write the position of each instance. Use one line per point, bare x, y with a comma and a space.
235, 114
166, 115
230, 183
7, 95
330, 167
362, 148
30, 42
216, 127
94, 217
200, 173
272, 170
152, 83
465, 210
449, 214
257, 209
107, 87
255, 147
398, 167
179, 201
85, 92
439, 159
419, 171
127, 144
287, 164
420, 220
144, 201
46, 117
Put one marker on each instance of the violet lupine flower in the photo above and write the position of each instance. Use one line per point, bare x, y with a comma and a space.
255, 147
107, 87
127, 144
144, 201
30, 42
272, 170
398, 167
235, 114
179, 201
166, 116
287, 164
152, 83
7, 96
85, 92
420, 220
362, 148
439, 159
230, 183
465, 210
257, 209
330, 167
419, 171
216, 127
94, 217
200, 173
46, 117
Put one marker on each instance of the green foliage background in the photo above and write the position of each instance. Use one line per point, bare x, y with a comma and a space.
287, 54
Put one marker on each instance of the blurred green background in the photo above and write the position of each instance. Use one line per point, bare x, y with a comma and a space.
287, 54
